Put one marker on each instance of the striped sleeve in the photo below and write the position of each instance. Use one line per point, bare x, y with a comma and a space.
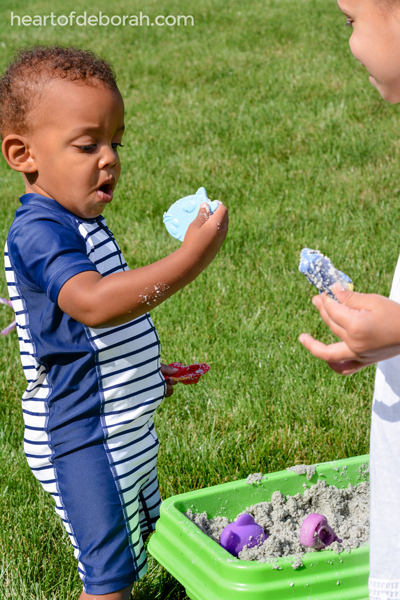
47, 254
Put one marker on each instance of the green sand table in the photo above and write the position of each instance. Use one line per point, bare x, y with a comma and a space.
208, 572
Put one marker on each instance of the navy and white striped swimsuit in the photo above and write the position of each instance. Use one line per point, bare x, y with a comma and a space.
91, 395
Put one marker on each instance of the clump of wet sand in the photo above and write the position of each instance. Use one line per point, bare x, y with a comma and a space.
307, 470
255, 478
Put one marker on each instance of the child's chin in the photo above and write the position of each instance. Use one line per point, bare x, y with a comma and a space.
99, 210
391, 96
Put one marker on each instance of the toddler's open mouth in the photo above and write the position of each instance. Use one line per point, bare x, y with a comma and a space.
105, 192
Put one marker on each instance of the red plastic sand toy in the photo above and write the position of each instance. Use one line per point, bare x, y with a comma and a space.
188, 374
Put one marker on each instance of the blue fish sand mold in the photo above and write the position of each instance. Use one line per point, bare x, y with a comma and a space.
320, 272
184, 211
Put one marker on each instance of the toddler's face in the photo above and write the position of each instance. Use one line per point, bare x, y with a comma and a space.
375, 42
76, 131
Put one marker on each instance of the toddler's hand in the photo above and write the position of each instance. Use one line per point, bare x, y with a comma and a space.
207, 233
168, 371
367, 324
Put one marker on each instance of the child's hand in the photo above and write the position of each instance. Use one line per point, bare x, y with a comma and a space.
368, 324
207, 233
168, 371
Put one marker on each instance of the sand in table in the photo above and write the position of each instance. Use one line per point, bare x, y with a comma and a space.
347, 511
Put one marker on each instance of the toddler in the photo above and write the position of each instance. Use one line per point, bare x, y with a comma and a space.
369, 324
89, 349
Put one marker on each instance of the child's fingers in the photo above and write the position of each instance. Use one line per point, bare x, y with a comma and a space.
333, 353
223, 216
220, 215
338, 356
319, 303
170, 389
353, 300
203, 215
168, 371
345, 315
347, 297
220, 218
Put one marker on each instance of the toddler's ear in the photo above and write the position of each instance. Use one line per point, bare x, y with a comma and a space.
17, 153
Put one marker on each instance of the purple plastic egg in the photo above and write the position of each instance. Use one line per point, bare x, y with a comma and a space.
316, 533
242, 532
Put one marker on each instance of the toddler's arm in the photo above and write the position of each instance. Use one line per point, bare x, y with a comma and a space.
98, 301
367, 324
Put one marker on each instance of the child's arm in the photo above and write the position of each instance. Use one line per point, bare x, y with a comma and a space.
368, 324
98, 301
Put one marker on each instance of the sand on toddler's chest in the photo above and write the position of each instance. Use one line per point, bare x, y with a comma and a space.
347, 511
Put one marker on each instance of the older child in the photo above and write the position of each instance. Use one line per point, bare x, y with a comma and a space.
89, 349
369, 324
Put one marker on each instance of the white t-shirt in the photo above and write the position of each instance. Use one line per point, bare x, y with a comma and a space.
384, 582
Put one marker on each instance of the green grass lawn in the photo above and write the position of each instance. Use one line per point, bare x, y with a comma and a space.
263, 104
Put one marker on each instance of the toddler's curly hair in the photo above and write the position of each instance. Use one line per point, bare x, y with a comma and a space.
24, 79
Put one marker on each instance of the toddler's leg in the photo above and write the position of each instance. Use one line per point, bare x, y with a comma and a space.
120, 595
